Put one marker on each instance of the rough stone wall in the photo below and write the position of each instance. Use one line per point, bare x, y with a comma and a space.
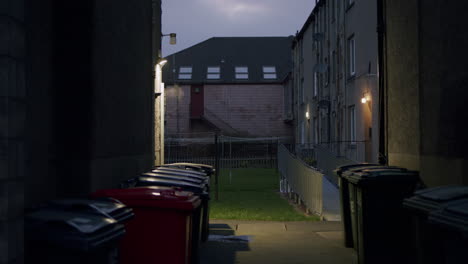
13, 109
427, 77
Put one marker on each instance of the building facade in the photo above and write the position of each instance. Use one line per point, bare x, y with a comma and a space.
234, 85
76, 102
335, 82
426, 77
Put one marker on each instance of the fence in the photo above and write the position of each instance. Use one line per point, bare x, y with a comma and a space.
233, 152
300, 179
328, 156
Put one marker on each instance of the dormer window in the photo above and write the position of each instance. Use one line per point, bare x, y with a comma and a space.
269, 72
213, 73
185, 73
242, 73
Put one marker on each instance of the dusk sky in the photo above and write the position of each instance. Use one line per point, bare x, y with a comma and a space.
197, 20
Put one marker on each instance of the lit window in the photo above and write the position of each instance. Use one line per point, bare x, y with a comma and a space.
269, 72
352, 56
185, 72
213, 72
242, 73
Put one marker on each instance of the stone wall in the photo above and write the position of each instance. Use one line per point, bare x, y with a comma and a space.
13, 112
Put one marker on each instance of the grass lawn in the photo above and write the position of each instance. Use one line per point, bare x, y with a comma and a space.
252, 194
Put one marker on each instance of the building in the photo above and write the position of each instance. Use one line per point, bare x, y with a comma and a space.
76, 102
424, 57
231, 84
335, 82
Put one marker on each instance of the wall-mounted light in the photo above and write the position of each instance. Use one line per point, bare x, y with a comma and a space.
365, 98
172, 36
307, 116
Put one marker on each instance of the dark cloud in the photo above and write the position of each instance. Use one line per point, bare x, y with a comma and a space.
197, 20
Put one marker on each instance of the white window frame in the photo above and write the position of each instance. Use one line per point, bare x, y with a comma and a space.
241, 72
185, 73
213, 73
269, 73
352, 55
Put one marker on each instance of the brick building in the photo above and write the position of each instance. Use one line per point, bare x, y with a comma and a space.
231, 84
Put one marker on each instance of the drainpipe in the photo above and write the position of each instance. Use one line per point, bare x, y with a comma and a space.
383, 150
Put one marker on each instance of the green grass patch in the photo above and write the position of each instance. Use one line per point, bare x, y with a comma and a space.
252, 194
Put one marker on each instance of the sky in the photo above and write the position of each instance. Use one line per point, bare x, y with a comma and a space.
197, 20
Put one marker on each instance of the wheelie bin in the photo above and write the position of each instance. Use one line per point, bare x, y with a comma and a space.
161, 231
452, 223
198, 189
382, 223
54, 236
349, 196
344, 201
426, 239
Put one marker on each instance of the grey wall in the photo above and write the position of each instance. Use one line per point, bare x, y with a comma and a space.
427, 80
13, 112
76, 102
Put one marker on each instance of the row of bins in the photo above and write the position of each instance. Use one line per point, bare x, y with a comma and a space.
389, 218
160, 216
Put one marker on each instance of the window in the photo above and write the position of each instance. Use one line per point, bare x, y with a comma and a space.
352, 56
352, 124
302, 132
185, 72
333, 70
242, 73
269, 72
213, 72
315, 83
316, 138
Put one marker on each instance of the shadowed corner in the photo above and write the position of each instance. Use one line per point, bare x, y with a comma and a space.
217, 250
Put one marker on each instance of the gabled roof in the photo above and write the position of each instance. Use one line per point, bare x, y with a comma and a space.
229, 52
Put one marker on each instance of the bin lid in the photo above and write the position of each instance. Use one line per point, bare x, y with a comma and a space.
339, 170
206, 168
173, 177
151, 196
453, 217
353, 170
108, 207
430, 199
152, 181
383, 175
179, 170
179, 173
71, 229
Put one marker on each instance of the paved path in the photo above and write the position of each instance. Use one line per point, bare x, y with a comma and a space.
331, 201
277, 243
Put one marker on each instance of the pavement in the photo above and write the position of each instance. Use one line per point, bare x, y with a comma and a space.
330, 201
249, 242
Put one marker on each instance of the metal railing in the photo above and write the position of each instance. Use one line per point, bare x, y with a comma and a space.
299, 179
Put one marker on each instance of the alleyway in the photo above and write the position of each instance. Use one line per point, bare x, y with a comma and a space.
277, 243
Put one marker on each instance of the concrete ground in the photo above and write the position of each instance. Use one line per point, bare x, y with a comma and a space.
276, 243
331, 201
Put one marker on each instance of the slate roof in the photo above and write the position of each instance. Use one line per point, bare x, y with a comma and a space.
229, 52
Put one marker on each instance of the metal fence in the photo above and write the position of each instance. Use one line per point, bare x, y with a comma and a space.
299, 179
233, 152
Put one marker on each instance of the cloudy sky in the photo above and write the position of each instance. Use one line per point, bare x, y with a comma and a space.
197, 20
